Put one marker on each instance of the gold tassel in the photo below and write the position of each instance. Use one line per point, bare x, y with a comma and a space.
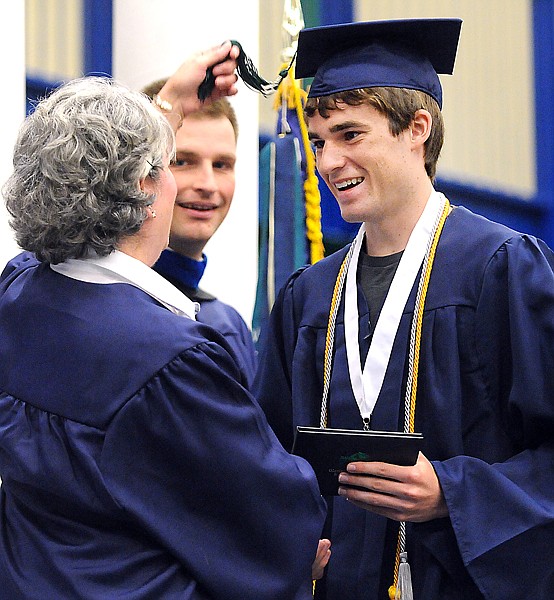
290, 92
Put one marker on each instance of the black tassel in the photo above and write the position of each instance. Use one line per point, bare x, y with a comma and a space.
248, 73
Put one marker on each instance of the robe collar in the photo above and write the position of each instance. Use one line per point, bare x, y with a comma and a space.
183, 269
119, 267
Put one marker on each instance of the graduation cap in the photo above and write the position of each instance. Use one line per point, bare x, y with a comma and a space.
406, 53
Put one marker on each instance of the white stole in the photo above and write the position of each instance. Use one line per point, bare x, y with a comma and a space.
367, 385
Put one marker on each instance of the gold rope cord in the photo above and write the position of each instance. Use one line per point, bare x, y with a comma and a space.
330, 342
330, 336
415, 344
426, 279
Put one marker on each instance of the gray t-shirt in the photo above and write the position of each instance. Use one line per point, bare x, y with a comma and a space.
375, 274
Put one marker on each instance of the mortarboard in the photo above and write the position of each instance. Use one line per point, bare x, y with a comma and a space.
407, 53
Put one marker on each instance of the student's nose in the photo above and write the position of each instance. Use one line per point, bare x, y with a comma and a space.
205, 180
329, 158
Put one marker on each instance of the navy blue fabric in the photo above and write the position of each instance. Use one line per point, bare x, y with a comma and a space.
185, 274
281, 176
485, 405
405, 53
134, 463
376, 65
188, 270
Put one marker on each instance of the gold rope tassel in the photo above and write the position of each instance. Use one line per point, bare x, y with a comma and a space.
404, 588
295, 97
392, 588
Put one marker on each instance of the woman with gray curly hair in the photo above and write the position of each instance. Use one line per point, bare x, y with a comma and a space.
134, 463
77, 156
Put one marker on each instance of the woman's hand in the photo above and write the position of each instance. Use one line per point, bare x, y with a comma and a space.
321, 558
399, 493
181, 89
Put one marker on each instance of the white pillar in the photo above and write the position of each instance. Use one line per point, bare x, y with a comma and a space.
151, 39
12, 105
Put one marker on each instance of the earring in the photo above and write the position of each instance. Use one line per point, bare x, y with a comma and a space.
152, 212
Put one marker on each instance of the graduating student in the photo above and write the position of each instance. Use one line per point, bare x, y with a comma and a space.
134, 463
435, 320
204, 171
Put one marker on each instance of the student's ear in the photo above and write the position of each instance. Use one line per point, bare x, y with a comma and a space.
420, 127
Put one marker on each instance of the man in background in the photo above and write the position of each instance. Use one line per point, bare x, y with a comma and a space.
204, 170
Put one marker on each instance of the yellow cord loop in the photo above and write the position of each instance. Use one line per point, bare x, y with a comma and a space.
418, 316
392, 588
426, 279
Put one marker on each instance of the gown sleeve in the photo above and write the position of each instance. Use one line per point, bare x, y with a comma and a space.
245, 345
275, 362
22, 260
502, 514
227, 321
191, 458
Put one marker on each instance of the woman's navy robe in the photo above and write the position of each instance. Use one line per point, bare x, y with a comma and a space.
134, 463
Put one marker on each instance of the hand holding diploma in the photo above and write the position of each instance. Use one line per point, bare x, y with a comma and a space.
399, 493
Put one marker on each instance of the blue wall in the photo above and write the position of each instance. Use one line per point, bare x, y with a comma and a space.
98, 19
97, 48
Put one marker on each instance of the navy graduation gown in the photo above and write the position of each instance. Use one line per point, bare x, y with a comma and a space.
182, 271
134, 463
485, 404
227, 321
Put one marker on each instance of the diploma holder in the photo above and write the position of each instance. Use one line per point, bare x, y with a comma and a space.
329, 451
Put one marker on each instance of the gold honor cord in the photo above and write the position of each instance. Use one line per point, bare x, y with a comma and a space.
311, 186
330, 342
413, 361
330, 337
413, 367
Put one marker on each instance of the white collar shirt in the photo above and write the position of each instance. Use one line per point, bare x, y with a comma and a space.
119, 267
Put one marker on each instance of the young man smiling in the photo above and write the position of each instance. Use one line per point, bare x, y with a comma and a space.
204, 171
433, 320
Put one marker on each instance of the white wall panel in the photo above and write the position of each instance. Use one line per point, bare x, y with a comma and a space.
489, 102
54, 39
12, 105
151, 39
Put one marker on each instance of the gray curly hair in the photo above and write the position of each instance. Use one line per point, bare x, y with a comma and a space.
77, 162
